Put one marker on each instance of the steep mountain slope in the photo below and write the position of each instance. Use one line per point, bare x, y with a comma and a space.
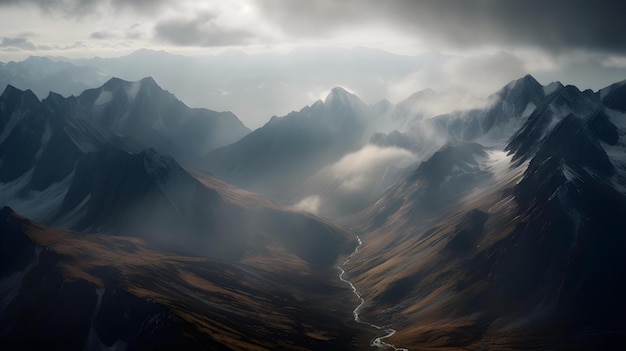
614, 96
140, 111
70, 173
185, 259
43, 133
154, 117
563, 102
434, 118
523, 253
273, 159
67, 290
505, 112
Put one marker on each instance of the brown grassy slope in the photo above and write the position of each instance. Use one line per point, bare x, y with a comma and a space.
413, 269
253, 305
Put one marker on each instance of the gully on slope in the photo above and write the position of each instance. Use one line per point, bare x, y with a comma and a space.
377, 341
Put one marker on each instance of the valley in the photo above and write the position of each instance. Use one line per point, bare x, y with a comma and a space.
132, 221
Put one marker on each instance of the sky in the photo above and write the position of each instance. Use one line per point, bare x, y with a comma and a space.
575, 41
107, 27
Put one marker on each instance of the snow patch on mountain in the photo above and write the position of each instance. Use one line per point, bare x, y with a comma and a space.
498, 163
569, 173
552, 87
310, 204
617, 155
36, 205
104, 98
71, 218
133, 89
616, 117
530, 108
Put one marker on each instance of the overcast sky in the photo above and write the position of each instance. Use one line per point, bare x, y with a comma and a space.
74, 27
576, 41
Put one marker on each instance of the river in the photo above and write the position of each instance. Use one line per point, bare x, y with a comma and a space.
377, 341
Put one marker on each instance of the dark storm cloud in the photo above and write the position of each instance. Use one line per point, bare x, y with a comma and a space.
131, 32
17, 44
201, 30
101, 35
554, 25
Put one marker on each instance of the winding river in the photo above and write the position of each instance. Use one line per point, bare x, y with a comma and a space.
377, 341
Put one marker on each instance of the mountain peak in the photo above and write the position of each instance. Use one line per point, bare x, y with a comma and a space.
526, 81
341, 96
115, 82
52, 96
148, 80
11, 92
529, 78
36, 60
132, 88
338, 92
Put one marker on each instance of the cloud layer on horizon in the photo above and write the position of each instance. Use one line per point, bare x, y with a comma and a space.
553, 26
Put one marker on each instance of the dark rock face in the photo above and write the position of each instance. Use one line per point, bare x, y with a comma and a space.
16, 251
615, 97
562, 257
569, 151
513, 100
568, 100
535, 260
600, 124
56, 162
44, 136
15, 102
467, 232
101, 183
449, 173
140, 111
154, 117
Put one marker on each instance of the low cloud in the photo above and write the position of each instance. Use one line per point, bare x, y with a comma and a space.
351, 183
482, 75
133, 31
17, 44
310, 204
362, 170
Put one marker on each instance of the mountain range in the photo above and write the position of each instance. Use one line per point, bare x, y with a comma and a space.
507, 248
493, 226
67, 164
